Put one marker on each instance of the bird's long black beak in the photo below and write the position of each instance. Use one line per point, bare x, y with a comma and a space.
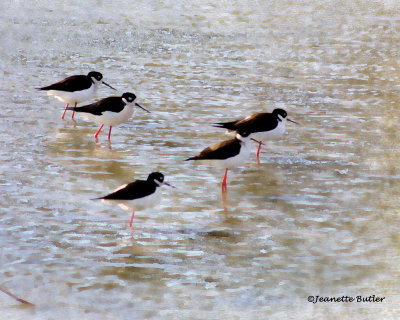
108, 85
260, 142
138, 105
169, 185
292, 121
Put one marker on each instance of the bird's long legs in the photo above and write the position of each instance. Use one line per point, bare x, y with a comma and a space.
98, 131
258, 152
223, 185
65, 110
131, 221
109, 134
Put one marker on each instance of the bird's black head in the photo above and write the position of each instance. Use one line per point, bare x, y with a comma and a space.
244, 133
94, 74
129, 97
156, 177
280, 112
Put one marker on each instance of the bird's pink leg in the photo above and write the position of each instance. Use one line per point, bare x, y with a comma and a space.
130, 223
98, 131
62, 117
223, 186
109, 134
73, 113
258, 152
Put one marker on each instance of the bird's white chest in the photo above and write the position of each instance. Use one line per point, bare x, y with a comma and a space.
115, 118
272, 134
239, 159
142, 203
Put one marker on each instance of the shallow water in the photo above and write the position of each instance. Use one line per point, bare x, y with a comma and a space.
318, 216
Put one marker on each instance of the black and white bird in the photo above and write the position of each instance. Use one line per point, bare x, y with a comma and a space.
227, 154
76, 89
110, 111
138, 195
261, 126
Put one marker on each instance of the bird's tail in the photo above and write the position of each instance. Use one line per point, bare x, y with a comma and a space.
74, 108
226, 125
97, 198
192, 158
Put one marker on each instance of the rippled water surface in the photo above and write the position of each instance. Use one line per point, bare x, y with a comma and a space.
318, 216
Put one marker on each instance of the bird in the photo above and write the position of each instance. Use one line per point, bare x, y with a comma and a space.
76, 89
110, 111
138, 195
227, 154
261, 126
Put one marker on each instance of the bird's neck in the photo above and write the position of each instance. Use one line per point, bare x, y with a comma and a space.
158, 183
281, 119
95, 84
241, 139
128, 104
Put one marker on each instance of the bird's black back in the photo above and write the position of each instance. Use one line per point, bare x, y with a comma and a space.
113, 104
135, 190
258, 122
71, 84
220, 151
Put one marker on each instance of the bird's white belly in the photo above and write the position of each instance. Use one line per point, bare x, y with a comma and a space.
139, 204
72, 97
88, 116
272, 134
110, 118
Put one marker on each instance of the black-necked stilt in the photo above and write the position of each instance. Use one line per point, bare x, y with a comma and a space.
262, 126
110, 111
227, 154
76, 89
138, 195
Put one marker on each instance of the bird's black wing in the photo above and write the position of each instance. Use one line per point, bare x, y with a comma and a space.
112, 104
256, 123
71, 84
135, 190
219, 151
